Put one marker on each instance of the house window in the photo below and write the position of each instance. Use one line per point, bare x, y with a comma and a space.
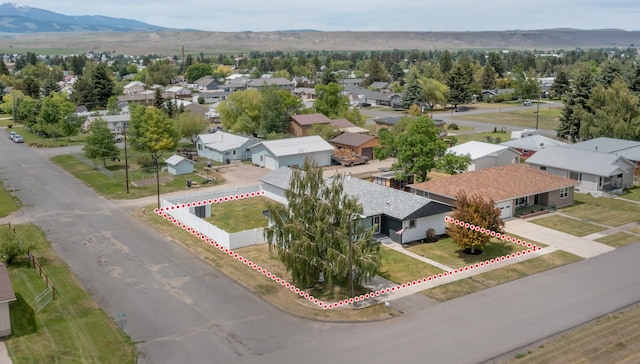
522, 201
576, 176
234, 152
412, 224
543, 168
425, 194
564, 192
199, 146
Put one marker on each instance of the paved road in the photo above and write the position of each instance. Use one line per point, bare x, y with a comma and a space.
179, 309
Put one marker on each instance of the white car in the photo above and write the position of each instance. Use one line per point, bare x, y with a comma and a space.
12, 134
18, 138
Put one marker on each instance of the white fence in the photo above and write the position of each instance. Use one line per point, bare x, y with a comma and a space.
187, 217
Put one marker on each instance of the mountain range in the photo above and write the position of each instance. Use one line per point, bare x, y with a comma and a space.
16, 18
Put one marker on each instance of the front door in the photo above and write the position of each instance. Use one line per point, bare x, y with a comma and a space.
376, 224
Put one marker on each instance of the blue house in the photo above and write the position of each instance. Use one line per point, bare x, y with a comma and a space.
273, 154
224, 147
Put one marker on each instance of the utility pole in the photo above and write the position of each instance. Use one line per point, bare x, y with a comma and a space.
126, 160
351, 259
537, 111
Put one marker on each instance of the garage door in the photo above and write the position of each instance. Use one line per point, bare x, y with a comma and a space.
270, 163
505, 209
367, 152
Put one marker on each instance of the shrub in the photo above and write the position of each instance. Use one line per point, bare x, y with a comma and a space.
11, 247
431, 236
145, 161
453, 126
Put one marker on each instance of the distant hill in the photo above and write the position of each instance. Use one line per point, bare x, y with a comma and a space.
15, 18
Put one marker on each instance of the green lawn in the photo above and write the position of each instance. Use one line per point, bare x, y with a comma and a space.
618, 239
499, 276
8, 203
72, 328
30, 138
568, 225
548, 118
115, 188
401, 268
633, 194
447, 252
604, 210
239, 215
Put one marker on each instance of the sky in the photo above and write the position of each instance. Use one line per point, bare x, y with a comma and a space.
360, 15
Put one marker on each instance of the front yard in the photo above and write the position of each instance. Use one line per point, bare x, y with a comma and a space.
239, 215
568, 225
604, 210
8, 203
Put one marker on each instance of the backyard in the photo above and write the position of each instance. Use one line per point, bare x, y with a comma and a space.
72, 328
548, 118
239, 215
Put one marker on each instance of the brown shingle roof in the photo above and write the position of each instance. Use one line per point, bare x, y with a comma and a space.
497, 183
341, 123
352, 139
311, 119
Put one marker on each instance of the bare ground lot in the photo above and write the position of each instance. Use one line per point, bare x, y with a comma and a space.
170, 42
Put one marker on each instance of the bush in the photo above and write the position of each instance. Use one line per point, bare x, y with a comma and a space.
431, 236
453, 126
146, 161
11, 247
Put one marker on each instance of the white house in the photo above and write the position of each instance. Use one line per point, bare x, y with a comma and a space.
117, 123
224, 147
598, 173
7, 296
134, 87
273, 154
178, 165
485, 155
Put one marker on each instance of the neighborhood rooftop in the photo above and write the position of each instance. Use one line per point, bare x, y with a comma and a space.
477, 149
626, 148
352, 139
292, 146
577, 160
225, 141
533, 142
497, 183
311, 119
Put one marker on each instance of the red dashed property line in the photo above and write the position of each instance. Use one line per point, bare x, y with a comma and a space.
326, 305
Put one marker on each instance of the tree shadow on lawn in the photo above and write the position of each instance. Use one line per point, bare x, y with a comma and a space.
490, 251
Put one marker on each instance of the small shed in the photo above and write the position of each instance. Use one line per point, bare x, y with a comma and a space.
6, 297
359, 143
178, 165
273, 154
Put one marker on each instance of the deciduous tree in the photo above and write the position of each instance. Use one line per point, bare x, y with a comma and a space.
240, 112
311, 233
478, 211
100, 143
330, 101
453, 163
191, 126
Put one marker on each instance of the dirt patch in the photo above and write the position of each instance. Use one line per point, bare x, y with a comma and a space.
151, 181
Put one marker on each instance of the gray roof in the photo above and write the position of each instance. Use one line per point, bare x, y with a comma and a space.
6, 289
375, 199
223, 141
292, 146
533, 142
175, 159
627, 148
584, 161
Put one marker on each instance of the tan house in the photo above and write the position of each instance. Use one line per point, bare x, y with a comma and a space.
300, 124
513, 187
359, 143
6, 297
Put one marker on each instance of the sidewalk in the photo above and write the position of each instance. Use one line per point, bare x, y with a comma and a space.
4, 355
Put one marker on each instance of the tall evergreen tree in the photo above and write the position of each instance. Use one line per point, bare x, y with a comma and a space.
459, 85
103, 84
561, 84
446, 62
575, 103
412, 93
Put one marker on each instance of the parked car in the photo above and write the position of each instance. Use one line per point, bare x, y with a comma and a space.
364, 104
18, 138
527, 103
461, 109
12, 134
118, 138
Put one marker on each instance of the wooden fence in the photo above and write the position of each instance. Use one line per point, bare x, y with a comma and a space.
43, 274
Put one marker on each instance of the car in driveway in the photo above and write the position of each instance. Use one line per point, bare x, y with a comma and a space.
18, 138
461, 109
527, 103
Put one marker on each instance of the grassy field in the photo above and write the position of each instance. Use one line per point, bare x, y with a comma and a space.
548, 117
497, 137
239, 215
499, 276
447, 252
115, 188
568, 225
610, 339
633, 194
8, 203
30, 138
603, 210
618, 239
72, 328
401, 268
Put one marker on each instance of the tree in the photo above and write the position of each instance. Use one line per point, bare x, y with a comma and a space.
446, 62
274, 117
412, 94
30, 87
488, 77
311, 233
561, 84
330, 100
433, 92
477, 211
191, 126
575, 103
375, 72
113, 106
11, 246
354, 115
151, 130
526, 83
240, 112
452, 163
326, 131
83, 92
196, 71
103, 84
100, 143
459, 85
415, 145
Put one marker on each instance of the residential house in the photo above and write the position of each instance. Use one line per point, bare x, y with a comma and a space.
211, 96
305, 93
134, 87
300, 124
178, 165
146, 97
512, 187
496, 92
486, 155
273, 154
281, 82
388, 122
359, 143
206, 83
196, 109
597, 173
517, 134
625, 148
399, 215
116, 123
347, 83
531, 144
224, 147
177, 92
7, 296
379, 86
388, 178
359, 95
